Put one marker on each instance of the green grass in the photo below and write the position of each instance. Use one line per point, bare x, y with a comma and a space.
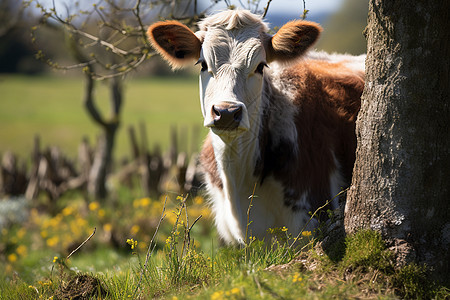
51, 106
202, 270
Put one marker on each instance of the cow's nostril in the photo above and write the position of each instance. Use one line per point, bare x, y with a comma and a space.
216, 113
238, 114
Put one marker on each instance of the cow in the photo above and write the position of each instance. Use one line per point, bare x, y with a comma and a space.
281, 118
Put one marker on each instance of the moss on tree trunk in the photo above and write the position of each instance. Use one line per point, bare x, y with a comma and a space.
401, 179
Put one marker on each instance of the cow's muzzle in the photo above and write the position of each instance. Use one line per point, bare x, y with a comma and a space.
227, 116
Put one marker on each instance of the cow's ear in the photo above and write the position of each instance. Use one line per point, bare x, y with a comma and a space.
292, 40
176, 43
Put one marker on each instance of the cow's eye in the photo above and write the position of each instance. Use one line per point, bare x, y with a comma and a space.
204, 65
260, 68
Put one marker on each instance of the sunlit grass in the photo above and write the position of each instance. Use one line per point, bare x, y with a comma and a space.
52, 107
147, 248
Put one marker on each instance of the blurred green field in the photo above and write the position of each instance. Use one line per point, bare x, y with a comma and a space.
51, 106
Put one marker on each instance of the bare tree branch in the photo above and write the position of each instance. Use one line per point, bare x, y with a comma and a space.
266, 9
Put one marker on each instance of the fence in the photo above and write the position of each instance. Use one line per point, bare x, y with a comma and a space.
54, 173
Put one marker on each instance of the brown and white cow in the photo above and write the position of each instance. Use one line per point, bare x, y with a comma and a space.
280, 118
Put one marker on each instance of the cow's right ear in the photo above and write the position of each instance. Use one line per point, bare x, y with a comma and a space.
176, 43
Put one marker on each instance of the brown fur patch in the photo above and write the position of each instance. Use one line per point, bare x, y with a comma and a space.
292, 40
176, 43
209, 164
328, 98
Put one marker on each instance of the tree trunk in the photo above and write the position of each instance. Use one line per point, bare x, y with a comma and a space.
401, 180
103, 155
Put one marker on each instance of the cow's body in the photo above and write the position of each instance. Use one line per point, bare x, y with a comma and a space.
289, 136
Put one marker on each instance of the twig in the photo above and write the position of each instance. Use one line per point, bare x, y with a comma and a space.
266, 9
72, 28
315, 213
248, 221
175, 225
82, 244
186, 232
305, 11
150, 249
312, 216
189, 230
137, 13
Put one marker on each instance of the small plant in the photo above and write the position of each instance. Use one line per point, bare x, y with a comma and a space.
366, 249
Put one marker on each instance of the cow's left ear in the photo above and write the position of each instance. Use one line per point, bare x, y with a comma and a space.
292, 40
176, 43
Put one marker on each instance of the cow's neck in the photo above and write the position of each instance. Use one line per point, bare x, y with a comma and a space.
236, 159
245, 160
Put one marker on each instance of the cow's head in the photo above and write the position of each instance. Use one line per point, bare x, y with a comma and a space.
233, 49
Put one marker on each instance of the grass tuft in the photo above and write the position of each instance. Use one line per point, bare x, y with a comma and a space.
366, 249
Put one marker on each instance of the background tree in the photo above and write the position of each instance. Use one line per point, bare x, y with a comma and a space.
401, 177
16, 51
108, 40
343, 31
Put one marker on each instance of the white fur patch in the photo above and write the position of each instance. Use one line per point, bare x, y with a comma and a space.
354, 63
282, 108
336, 184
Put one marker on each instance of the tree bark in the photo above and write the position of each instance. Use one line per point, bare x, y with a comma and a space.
103, 155
401, 178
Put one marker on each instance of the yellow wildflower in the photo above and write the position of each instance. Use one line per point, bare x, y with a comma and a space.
235, 291
217, 295
21, 250
101, 212
12, 257
54, 222
52, 242
107, 227
134, 229
145, 202
21, 233
81, 222
67, 211
44, 283
75, 228
132, 243
297, 277
306, 233
198, 200
94, 206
